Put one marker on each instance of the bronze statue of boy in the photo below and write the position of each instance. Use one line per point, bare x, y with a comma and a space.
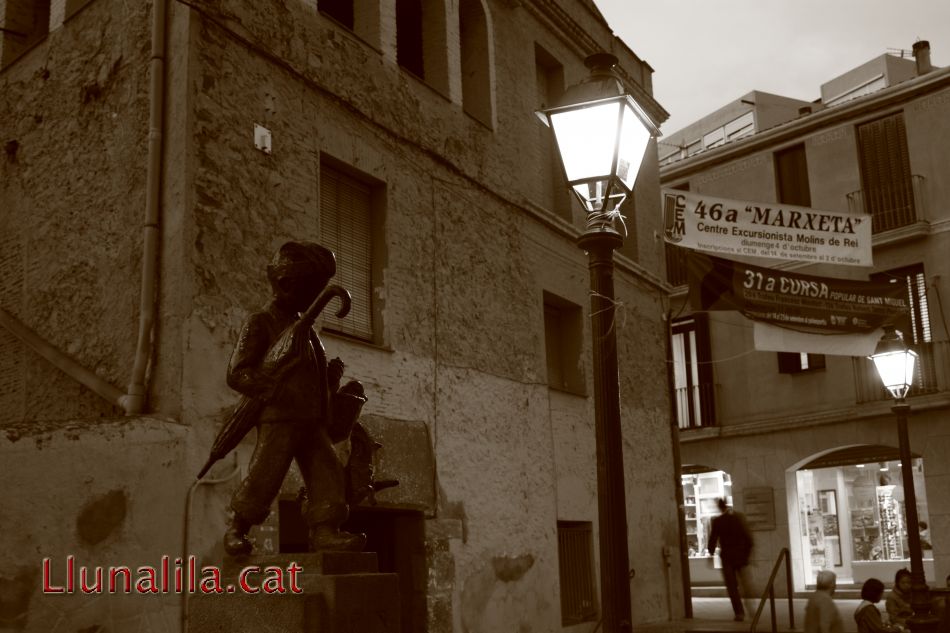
293, 392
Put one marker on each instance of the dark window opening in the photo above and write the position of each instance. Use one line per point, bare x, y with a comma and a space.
549, 86
409, 44
339, 10
797, 362
476, 84
791, 175
563, 330
24, 24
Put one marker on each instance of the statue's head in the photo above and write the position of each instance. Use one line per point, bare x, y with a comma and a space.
298, 273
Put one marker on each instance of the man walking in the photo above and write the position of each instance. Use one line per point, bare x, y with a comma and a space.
729, 531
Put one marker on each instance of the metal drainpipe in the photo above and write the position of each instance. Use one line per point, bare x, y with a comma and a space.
133, 402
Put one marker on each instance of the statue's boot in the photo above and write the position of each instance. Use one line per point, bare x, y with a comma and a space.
325, 538
235, 538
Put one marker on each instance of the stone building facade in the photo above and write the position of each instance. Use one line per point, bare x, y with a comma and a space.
810, 436
157, 153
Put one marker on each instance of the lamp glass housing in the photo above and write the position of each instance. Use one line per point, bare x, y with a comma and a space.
601, 144
896, 368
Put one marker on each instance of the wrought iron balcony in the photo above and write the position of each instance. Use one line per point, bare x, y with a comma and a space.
891, 204
696, 405
932, 373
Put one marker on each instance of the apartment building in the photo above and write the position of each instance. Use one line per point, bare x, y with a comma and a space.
806, 443
155, 156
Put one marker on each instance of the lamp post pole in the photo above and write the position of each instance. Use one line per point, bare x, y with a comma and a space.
921, 621
611, 504
602, 135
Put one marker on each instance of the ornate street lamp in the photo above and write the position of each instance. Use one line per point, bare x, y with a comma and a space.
895, 363
602, 135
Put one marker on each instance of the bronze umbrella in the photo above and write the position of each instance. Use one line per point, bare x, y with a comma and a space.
277, 361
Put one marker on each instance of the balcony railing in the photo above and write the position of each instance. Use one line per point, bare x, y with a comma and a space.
696, 405
675, 264
892, 204
932, 373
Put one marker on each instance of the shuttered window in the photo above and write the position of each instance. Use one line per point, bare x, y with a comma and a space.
791, 171
575, 554
885, 172
346, 220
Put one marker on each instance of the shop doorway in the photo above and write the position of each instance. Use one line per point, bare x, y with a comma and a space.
847, 515
702, 487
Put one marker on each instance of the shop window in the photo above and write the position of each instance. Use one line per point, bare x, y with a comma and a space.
797, 362
887, 187
476, 61
563, 331
791, 176
575, 554
24, 24
852, 514
701, 492
693, 388
351, 218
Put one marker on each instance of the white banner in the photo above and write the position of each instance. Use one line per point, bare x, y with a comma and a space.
771, 338
755, 229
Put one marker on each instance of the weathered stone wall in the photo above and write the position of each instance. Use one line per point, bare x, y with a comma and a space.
72, 176
107, 493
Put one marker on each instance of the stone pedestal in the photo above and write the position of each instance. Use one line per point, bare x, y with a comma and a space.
340, 592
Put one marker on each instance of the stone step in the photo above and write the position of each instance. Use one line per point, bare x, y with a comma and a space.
338, 603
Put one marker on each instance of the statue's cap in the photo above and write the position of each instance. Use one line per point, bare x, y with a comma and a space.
297, 259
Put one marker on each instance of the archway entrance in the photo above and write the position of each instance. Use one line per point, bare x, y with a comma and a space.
850, 515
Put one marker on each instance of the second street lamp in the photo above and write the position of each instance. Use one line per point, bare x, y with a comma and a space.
602, 135
895, 364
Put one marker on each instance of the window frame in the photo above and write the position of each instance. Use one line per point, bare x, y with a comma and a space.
375, 223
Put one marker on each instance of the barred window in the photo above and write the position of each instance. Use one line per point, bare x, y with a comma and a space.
575, 553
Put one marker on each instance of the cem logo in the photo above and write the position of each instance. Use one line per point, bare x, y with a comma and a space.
674, 207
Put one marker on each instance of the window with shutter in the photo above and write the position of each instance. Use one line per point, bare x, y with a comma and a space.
791, 171
347, 228
915, 326
887, 187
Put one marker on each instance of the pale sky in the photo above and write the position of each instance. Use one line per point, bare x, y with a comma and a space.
706, 53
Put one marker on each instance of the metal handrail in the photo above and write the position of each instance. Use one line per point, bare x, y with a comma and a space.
770, 593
